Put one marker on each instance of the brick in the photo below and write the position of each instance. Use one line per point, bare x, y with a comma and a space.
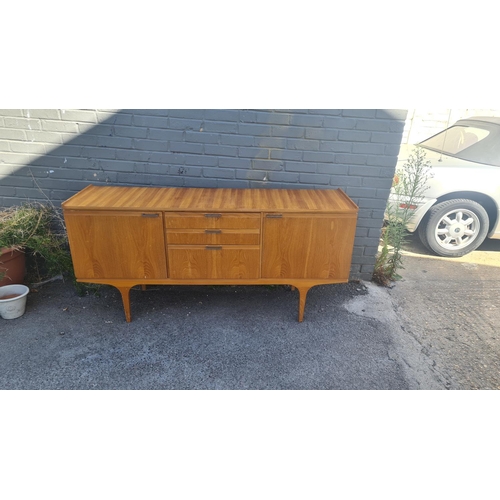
235, 163
150, 145
147, 112
198, 114
11, 112
136, 132
150, 121
133, 178
336, 146
360, 113
319, 157
321, 134
115, 142
13, 158
283, 177
13, 134
251, 129
253, 153
376, 182
296, 132
254, 175
267, 165
200, 182
83, 139
39, 136
236, 140
187, 171
185, 124
314, 179
296, 166
368, 148
215, 149
345, 181
269, 142
330, 112
89, 152
284, 154
201, 160
59, 126
202, 137
66, 173
332, 169
118, 118
392, 149
373, 125
78, 115
46, 114
354, 135
5, 145
340, 122
353, 159
372, 203
159, 134
307, 120
23, 123
223, 115
303, 144
362, 192
217, 172
184, 147
222, 127
364, 171
16, 181
118, 165
100, 176
264, 117
383, 161
235, 184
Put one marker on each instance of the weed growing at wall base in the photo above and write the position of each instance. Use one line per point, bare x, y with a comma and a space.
409, 186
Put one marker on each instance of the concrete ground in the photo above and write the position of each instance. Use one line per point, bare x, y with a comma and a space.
435, 329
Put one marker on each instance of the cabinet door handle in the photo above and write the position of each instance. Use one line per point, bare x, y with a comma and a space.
150, 215
274, 216
213, 231
213, 248
213, 215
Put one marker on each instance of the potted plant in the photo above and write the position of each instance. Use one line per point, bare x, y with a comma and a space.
31, 229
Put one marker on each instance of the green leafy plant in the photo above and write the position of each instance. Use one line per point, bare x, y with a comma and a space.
409, 186
37, 229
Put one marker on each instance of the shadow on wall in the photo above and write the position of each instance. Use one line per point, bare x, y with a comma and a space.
55, 153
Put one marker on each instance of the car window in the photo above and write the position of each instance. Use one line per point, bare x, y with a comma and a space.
476, 142
455, 139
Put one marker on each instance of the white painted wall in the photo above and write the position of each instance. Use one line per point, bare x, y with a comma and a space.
421, 123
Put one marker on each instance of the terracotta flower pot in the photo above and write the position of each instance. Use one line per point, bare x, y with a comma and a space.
12, 266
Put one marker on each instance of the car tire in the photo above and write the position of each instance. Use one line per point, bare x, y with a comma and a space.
454, 228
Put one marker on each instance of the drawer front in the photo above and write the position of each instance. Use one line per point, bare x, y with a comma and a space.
196, 220
214, 262
213, 237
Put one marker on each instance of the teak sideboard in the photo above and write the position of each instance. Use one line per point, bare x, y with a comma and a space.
128, 236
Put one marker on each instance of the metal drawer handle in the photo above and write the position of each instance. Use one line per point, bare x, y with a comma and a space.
150, 215
216, 216
213, 231
274, 216
213, 248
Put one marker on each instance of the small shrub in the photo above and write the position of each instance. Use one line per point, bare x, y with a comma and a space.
409, 186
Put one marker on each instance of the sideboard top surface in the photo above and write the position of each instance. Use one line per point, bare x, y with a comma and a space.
210, 199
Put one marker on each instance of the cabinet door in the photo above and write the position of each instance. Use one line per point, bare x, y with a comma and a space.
307, 246
117, 244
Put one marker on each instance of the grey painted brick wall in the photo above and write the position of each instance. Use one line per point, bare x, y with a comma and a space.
55, 153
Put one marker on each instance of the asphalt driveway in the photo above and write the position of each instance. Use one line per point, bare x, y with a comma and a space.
435, 329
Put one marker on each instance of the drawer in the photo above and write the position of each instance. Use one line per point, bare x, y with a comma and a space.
197, 220
214, 262
213, 236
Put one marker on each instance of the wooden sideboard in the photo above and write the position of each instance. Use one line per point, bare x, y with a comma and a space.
128, 236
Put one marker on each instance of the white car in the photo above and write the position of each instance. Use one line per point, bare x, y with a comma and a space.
460, 208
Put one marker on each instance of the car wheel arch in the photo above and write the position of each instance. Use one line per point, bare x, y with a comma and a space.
485, 201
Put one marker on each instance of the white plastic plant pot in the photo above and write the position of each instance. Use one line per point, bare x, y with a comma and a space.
13, 301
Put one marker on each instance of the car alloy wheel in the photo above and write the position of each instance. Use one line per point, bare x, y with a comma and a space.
454, 227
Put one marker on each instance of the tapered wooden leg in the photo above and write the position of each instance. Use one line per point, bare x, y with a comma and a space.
302, 301
125, 291
143, 288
